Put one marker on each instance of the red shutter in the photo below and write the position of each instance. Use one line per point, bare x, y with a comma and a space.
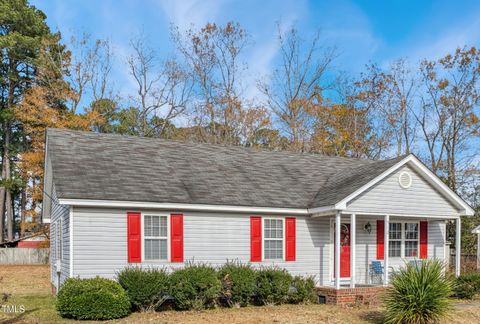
134, 239
290, 239
255, 239
176, 237
423, 240
380, 239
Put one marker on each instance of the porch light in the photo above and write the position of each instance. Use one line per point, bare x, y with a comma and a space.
367, 227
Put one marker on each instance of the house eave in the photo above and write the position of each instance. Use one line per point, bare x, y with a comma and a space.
181, 206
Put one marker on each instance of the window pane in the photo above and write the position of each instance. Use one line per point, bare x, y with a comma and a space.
395, 231
155, 249
411, 231
273, 249
155, 226
273, 228
394, 248
411, 248
163, 226
148, 225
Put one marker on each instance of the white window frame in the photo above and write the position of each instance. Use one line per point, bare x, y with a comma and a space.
412, 240
390, 240
282, 219
142, 227
402, 253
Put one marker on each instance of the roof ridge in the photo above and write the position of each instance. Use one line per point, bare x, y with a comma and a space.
211, 145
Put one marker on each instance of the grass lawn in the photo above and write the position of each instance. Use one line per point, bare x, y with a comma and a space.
30, 286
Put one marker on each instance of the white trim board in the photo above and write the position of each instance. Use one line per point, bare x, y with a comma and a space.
70, 223
173, 206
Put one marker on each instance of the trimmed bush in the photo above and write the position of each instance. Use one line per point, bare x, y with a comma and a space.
467, 285
302, 291
273, 285
195, 287
147, 289
418, 295
92, 299
238, 283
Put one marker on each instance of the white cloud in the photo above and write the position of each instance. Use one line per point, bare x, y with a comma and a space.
184, 13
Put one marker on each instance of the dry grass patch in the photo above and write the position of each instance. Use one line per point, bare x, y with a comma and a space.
25, 279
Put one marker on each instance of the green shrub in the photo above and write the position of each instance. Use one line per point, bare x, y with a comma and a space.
418, 295
302, 290
238, 283
195, 287
92, 299
146, 288
467, 285
273, 285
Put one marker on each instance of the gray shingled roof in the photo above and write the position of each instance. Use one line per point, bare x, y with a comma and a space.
114, 167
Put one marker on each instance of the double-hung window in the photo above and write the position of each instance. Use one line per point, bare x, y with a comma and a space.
395, 241
411, 239
403, 239
273, 238
155, 229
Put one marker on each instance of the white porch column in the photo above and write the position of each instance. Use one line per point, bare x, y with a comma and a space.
386, 238
337, 249
458, 245
353, 242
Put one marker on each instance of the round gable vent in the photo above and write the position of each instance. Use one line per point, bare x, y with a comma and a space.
405, 180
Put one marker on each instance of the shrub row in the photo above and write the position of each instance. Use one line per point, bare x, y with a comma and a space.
467, 285
199, 286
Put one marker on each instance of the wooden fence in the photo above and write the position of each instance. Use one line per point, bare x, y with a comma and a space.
24, 256
468, 262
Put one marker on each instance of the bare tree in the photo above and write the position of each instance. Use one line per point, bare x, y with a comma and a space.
89, 70
212, 55
389, 95
163, 90
449, 114
299, 78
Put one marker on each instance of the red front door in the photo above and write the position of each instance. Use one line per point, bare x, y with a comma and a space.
344, 251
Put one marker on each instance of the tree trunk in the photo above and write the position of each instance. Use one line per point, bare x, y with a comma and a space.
2, 213
10, 218
6, 172
23, 207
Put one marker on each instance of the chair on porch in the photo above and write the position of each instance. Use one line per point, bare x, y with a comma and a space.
376, 272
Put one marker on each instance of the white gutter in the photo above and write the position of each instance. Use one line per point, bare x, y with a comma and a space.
193, 207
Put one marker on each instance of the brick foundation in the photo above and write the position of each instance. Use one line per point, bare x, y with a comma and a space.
351, 296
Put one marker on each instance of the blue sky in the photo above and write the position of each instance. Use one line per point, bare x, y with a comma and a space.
363, 31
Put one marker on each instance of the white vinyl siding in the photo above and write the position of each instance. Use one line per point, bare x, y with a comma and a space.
60, 239
387, 197
214, 238
100, 243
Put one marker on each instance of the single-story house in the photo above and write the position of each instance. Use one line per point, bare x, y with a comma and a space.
114, 201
